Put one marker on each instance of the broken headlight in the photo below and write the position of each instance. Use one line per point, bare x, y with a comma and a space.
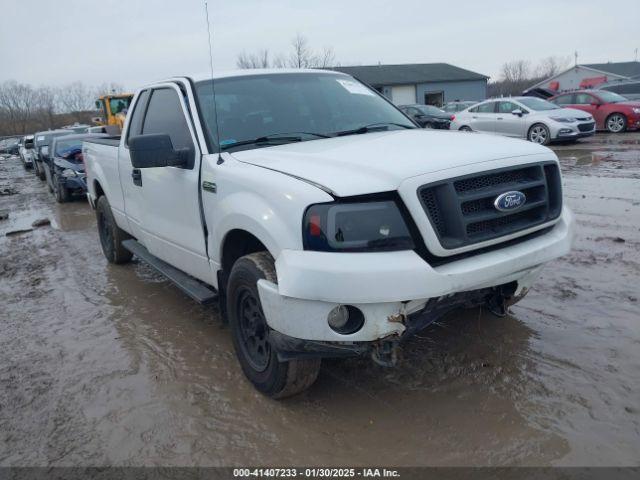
355, 227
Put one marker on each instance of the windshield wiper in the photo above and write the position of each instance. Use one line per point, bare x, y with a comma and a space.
275, 138
372, 127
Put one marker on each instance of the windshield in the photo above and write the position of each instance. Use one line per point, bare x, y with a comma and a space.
119, 105
305, 105
64, 147
537, 104
610, 97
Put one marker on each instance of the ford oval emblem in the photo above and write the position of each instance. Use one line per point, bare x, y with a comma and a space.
510, 201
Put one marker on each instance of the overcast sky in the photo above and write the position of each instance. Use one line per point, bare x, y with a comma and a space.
133, 42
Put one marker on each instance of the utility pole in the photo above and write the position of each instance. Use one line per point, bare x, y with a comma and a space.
636, 54
575, 54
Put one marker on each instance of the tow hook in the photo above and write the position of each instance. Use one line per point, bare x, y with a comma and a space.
385, 353
497, 305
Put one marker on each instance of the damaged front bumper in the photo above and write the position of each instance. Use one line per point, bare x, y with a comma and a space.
398, 293
384, 350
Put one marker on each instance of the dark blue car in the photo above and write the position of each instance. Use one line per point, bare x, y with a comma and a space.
65, 173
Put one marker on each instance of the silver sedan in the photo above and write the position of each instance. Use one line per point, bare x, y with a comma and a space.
526, 117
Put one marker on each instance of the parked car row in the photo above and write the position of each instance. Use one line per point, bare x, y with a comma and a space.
56, 157
612, 112
530, 118
427, 116
9, 146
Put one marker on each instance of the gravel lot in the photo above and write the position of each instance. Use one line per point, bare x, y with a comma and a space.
112, 365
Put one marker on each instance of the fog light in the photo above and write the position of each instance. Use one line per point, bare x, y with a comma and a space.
338, 317
345, 319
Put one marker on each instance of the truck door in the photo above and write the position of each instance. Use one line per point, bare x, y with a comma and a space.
170, 214
131, 187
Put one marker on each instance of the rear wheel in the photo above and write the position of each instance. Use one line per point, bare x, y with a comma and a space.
616, 123
111, 236
539, 134
428, 125
465, 128
250, 332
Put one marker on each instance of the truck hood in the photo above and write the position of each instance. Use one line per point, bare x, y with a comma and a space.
380, 161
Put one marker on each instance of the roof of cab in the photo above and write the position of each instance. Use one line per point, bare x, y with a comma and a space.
252, 72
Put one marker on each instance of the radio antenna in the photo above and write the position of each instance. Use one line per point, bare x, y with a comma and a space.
213, 87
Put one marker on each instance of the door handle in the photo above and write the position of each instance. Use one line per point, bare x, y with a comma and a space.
136, 175
473, 117
499, 118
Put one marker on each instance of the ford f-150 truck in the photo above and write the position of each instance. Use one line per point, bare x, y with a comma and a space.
323, 220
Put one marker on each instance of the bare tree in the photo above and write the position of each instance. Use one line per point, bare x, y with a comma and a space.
552, 65
515, 71
108, 88
26, 109
255, 60
326, 58
280, 61
75, 98
302, 55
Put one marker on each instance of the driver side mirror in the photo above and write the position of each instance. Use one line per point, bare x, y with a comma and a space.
156, 150
595, 104
517, 112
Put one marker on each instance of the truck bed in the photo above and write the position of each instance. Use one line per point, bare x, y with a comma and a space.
113, 141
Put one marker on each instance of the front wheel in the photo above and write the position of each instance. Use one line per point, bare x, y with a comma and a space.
465, 128
111, 236
616, 123
250, 333
41, 174
539, 134
60, 191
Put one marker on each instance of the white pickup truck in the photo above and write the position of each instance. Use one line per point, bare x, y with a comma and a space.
324, 221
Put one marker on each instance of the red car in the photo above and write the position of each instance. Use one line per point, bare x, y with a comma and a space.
611, 111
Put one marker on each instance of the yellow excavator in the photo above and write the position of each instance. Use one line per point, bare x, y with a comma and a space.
113, 108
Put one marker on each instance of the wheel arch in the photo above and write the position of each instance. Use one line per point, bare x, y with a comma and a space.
237, 243
97, 189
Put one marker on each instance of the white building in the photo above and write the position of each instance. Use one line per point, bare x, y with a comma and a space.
590, 76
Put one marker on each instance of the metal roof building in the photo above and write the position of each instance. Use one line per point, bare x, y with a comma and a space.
426, 83
590, 75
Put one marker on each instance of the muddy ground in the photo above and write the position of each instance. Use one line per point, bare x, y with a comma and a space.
112, 365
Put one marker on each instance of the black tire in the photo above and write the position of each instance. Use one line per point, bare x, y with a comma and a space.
616, 123
539, 133
61, 193
428, 125
50, 185
465, 128
111, 236
250, 333
41, 174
